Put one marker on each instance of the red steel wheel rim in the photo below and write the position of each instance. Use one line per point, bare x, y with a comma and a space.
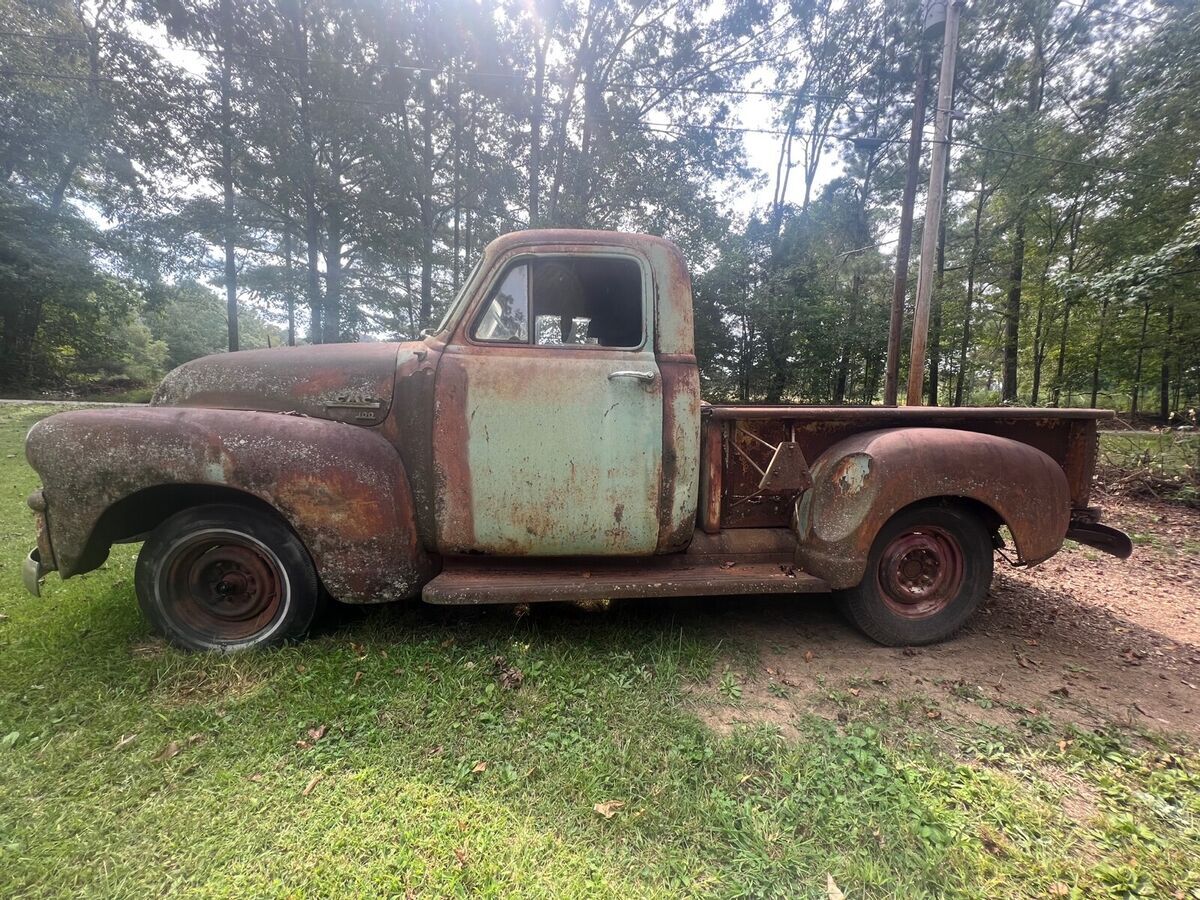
920, 572
224, 585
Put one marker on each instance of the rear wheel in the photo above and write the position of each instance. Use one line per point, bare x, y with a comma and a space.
929, 569
226, 577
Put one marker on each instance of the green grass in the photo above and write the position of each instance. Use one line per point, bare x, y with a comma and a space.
127, 769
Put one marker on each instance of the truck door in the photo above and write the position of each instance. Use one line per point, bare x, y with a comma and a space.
548, 431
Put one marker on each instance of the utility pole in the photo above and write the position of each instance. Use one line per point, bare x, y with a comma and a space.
904, 244
933, 206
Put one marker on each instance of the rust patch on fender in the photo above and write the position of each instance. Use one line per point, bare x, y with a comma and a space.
862, 481
342, 489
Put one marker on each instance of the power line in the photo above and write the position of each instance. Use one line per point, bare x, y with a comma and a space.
480, 73
1114, 12
1141, 173
55, 76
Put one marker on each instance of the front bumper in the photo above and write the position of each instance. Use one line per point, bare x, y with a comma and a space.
32, 572
41, 559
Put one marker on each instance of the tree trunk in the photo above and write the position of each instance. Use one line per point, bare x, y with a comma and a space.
289, 295
935, 325
843, 372
426, 202
1164, 381
1039, 349
229, 220
1137, 371
972, 266
312, 217
1099, 351
456, 149
1012, 317
535, 127
1056, 394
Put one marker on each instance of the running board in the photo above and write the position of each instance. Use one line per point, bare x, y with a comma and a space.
475, 580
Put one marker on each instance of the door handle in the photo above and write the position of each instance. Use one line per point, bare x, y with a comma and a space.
644, 377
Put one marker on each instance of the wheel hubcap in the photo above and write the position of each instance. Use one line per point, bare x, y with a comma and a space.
920, 572
224, 585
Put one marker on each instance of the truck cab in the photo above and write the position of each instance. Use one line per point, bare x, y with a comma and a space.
567, 413
547, 441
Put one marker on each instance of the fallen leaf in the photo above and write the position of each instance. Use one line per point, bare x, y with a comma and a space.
480, 766
854, 692
125, 742
728, 564
317, 733
301, 669
1060, 692
808, 656
357, 679
312, 784
168, 752
460, 854
933, 713
609, 808
831, 888
509, 676
256, 777
1058, 889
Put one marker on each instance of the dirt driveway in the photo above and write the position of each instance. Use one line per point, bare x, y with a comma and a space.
1085, 638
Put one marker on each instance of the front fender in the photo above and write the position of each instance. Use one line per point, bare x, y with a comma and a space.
861, 482
343, 489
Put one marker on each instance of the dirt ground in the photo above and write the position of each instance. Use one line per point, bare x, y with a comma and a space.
1084, 638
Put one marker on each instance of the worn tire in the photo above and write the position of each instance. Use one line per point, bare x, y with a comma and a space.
929, 568
225, 577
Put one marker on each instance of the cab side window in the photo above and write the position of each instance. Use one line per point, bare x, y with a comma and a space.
582, 300
506, 317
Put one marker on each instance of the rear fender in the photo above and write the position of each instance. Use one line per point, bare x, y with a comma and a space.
861, 482
110, 475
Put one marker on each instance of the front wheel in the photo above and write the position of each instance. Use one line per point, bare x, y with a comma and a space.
929, 569
225, 577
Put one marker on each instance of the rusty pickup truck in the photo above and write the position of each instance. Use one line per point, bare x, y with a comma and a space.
547, 441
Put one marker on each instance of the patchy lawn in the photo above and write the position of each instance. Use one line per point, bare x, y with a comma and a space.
722, 748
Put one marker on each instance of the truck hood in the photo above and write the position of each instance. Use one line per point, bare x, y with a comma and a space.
343, 382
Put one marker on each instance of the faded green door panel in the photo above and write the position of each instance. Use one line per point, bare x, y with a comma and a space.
544, 451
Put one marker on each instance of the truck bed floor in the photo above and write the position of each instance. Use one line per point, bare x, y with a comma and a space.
473, 580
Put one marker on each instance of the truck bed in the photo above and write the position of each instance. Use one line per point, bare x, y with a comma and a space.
736, 444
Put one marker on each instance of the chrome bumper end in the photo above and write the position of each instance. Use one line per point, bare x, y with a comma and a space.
32, 572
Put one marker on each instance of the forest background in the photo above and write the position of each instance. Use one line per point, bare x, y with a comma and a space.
330, 170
